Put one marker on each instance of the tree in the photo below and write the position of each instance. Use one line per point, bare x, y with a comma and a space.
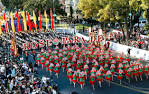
71, 12
43, 5
35, 5
112, 11
145, 7
13, 4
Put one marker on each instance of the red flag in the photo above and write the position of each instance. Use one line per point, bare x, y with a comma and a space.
52, 22
29, 22
6, 23
18, 20
40, 21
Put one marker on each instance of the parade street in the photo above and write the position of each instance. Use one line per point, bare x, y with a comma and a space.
64, 86
74, 46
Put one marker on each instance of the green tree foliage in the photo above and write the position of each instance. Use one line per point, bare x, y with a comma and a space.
44, 5
35, 5
13, 4
113, 11
145, 7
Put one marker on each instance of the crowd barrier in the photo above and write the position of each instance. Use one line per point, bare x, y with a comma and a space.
134, 52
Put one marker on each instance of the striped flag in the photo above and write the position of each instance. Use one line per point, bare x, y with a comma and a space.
12, 23
45, 14
24, 21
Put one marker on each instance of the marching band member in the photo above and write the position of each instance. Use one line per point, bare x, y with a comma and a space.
99, 77
92, 80
146, 70
112, 70
70, 74
56, 69
74, 78
108, 76
51, 66
81, 80
120, 75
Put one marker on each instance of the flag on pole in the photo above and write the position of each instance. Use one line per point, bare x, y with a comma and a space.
24, 21
52, 22
29, 22
45, 14
0, 29
34, 18
6, 23
12, 23
18, 20
40, 21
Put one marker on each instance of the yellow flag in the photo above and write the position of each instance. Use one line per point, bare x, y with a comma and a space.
12, 23
34, 18
24, 20
45, 14
0, 29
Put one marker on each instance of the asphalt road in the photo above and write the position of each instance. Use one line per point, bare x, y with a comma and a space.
64, 86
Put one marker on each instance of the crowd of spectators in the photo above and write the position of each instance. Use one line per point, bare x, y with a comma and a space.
22, 78
135, 40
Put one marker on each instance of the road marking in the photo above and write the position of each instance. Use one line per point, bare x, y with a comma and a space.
141, 91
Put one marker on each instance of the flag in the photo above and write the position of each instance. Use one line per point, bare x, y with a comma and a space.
45, 14
12, 23
29, 22
34, 18
40, 21
0, 29
24, 21
6, 23
18, 20
52, 22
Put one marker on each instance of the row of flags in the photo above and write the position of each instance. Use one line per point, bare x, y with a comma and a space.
27, 22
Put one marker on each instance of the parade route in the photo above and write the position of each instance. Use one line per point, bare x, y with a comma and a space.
64, 86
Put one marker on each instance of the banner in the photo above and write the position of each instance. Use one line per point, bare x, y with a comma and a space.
0, 29
18, 20
29, 22
34, 18
6, 23
12, 23
52, 21
24, 21
45, 14
40, 21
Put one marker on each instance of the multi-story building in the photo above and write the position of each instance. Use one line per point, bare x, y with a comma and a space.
67, 4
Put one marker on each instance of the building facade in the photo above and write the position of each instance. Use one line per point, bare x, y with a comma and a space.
67, 4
